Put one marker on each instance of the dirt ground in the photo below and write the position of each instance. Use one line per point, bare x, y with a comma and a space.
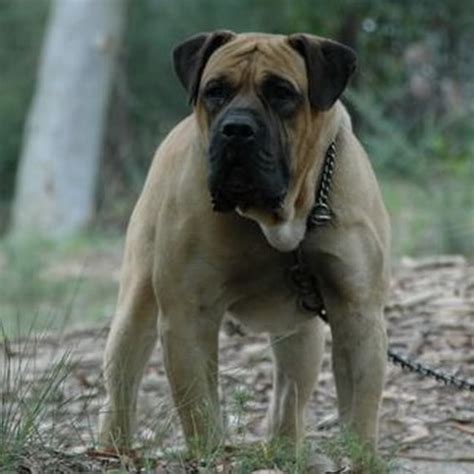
427, 427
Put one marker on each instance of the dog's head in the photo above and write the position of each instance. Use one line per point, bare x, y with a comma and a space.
260, 101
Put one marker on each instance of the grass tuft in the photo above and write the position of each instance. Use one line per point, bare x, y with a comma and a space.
25, 404
347, 448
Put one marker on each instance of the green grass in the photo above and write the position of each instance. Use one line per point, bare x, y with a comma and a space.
25, 406
342, 451
275, 455
433, 218
45, 286
347, 447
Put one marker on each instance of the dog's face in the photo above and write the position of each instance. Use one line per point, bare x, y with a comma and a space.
248, 146
258, 100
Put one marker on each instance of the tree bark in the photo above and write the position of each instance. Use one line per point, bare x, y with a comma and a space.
57, 175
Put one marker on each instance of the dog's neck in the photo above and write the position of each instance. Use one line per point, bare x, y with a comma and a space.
288, 235
288, 231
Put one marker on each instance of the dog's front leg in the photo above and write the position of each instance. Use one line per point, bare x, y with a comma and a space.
190, 345
359, 360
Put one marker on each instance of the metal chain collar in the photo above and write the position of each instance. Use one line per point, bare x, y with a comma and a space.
299, 274
320, 214
305, 285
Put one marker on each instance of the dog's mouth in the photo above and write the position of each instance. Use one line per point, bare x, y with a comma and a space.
245, 199
241, 187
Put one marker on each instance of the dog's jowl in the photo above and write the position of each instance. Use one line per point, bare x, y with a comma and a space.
225, 203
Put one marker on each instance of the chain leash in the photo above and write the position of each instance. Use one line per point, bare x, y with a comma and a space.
420, 369
304, 283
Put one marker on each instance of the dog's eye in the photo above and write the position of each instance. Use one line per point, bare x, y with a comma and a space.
282, 96
279, 92
217, 94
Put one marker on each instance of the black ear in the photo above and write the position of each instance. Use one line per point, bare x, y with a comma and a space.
190, 58
329, 66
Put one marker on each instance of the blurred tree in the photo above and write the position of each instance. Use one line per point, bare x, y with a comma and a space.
59, 163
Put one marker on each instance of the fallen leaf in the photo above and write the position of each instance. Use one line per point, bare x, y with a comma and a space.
469, 429
416, 433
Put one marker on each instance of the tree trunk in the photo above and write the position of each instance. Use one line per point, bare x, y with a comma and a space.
56, 179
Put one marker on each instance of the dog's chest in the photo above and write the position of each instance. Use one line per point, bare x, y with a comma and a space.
265, 301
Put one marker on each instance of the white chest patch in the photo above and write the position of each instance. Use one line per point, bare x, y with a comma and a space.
287, 236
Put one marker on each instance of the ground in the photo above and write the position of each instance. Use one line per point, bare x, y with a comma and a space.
52, 381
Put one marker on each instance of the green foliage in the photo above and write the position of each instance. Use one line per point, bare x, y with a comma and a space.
398, 43
21, 30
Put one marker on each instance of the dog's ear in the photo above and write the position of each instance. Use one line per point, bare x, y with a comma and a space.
190, 58
329, 65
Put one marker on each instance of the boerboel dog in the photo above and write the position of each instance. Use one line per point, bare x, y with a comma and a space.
226, 200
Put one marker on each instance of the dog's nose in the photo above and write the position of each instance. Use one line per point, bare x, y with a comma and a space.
239, 127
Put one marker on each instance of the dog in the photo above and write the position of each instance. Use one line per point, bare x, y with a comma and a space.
225, 205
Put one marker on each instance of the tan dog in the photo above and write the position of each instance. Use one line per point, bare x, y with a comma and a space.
227, 197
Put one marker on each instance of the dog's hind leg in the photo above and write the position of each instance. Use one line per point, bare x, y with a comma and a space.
131, 340
297, 360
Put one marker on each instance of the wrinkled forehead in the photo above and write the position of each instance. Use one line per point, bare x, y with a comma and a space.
253, 57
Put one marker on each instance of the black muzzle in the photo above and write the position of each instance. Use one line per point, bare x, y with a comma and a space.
247, 167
